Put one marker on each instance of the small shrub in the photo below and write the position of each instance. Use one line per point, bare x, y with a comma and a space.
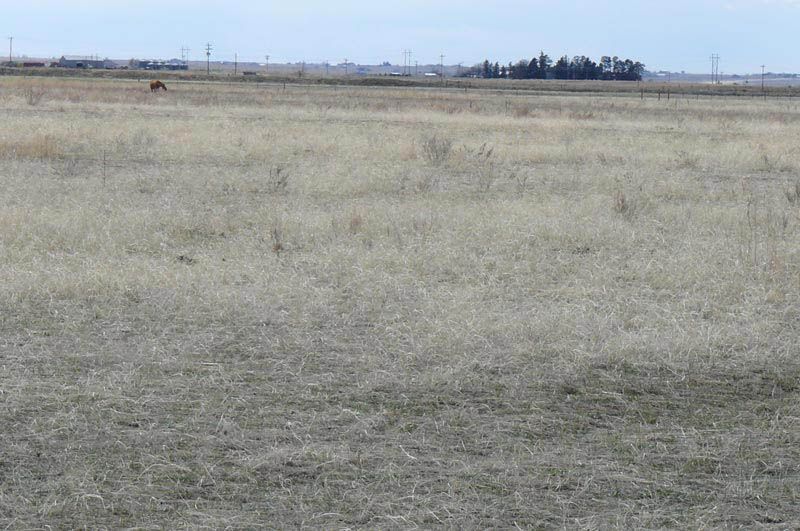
581, 115
522, 111
41, 147
481, 166
686, 160
437, 150
69, 167
793, 194
623, 205
356, 222
767, 164
278, 179
428, 181
277, 240
34, 95
520, 177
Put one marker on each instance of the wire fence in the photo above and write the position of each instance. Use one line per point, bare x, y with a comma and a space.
274, 174
106, 161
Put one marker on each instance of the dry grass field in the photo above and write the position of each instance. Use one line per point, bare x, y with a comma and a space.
237, 306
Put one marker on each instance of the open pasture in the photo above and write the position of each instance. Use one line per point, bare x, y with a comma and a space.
242, 306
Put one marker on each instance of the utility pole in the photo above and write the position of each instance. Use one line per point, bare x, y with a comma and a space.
714, 69
762, 77
267, 63
441, 65
235, 63
416, 68
208, 58
185, 55
327, 68
10, 48
345, 66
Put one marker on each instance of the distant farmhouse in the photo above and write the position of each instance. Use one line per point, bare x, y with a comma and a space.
155, 64
72, 61
24, 64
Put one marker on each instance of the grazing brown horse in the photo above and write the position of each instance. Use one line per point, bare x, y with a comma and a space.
156, 85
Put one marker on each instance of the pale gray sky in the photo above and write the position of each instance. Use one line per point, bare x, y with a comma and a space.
671, 34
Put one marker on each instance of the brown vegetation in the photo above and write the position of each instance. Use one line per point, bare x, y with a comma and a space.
384, 307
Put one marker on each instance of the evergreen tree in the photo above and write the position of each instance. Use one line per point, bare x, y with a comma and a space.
590, 69
579, 67
520, 70
561, 68
618, 68
544, 65
533, 69
637, 71
486, 70
606, 68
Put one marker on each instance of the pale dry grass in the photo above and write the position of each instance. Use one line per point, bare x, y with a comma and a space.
235, 306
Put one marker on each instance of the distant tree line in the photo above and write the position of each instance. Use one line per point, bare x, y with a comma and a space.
543, 67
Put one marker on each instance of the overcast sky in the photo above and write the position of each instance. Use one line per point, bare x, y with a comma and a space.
663, 34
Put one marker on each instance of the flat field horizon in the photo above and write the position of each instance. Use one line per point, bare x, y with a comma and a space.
244, 306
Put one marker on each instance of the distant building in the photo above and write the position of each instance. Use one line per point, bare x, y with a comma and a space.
24, 64
157, 64
71, 61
